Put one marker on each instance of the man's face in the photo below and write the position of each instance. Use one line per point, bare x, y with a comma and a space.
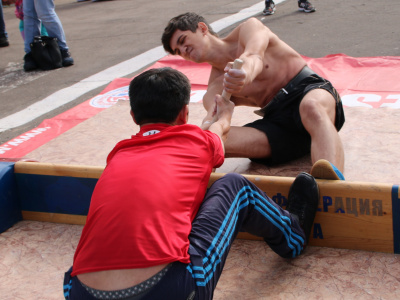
188, 44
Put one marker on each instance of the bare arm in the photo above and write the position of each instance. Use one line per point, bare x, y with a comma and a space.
211, 113
254, 38
214, 87
223, 113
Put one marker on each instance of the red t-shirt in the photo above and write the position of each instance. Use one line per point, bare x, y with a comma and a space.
143, 205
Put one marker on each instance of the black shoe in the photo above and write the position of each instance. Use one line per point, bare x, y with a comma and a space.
306, 6
67, 60
29, 62
303, 201
269, 8
4, 41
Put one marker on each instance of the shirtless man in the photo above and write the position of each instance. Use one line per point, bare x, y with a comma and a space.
301, 111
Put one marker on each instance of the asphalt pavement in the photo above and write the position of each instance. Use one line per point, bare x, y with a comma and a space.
106, 33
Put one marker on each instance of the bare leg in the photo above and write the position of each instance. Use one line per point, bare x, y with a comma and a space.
317, 111
247, 142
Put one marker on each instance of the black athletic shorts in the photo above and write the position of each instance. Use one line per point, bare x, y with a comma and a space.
282, 123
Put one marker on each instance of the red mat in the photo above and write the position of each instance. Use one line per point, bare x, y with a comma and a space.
371, 82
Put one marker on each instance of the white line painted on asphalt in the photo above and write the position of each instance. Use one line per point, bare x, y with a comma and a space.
124, 68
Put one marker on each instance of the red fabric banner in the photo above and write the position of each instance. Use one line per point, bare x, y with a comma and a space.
371, 82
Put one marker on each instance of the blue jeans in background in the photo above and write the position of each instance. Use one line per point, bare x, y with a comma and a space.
36, 10
3, 32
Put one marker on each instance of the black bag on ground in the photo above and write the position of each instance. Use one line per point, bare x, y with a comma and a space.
46, 52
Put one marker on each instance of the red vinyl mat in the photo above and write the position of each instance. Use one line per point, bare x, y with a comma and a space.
369, 82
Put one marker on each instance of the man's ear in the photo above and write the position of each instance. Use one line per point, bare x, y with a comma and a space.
203, 27
133, 117
183, 115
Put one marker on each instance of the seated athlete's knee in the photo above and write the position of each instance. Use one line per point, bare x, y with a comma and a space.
232, 180
312, 111
232, 177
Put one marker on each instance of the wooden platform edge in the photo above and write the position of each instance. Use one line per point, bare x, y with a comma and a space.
54, 217
352, 215
22, 167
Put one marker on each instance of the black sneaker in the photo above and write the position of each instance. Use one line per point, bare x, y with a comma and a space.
303, 201
4, 41
269, 8
67, 60
306, 6
29, 62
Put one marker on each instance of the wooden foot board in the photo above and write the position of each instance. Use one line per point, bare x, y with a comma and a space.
351, 215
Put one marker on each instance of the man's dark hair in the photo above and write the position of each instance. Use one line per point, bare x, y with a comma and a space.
187, 21
158, 95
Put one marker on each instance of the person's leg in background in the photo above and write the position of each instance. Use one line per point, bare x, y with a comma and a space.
46, 12
269, 8
306, 6
3, 33
31, 29
35, 12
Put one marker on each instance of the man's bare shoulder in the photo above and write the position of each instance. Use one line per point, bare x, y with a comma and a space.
252, 24
249, 23
252, 21
246, 30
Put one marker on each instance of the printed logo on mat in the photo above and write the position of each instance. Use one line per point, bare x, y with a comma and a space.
110, 98
372, 100
369, 100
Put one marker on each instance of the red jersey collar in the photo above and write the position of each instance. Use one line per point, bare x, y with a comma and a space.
153, 128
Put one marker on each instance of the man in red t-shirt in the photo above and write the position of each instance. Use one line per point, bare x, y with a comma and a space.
153, 230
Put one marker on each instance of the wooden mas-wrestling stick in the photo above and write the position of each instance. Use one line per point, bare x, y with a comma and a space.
237, 64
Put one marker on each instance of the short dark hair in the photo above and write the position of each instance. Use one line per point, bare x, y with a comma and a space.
186, 21
158, 95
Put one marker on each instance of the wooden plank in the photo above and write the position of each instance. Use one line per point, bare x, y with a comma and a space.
54, 217
352, 215
58, 169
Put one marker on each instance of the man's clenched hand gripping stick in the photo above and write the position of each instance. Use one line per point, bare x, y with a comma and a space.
237, 64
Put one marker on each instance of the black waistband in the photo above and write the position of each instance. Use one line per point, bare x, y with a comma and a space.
304, 73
